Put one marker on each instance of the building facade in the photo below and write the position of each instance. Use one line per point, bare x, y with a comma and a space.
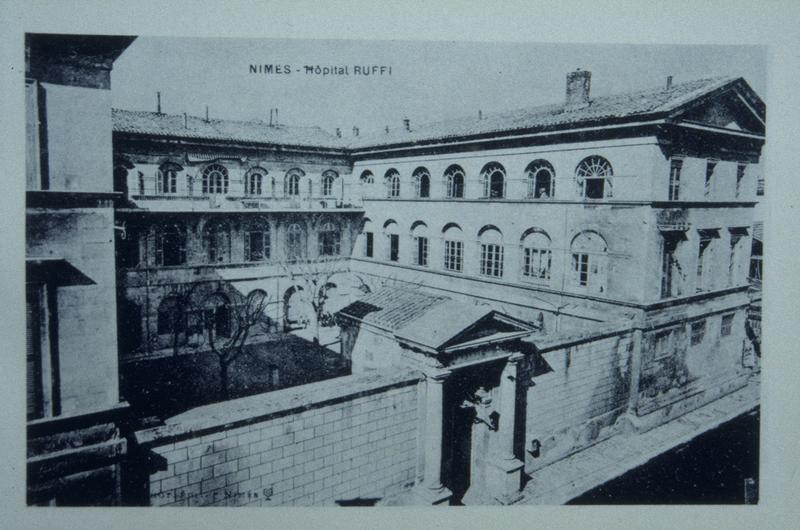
219, 209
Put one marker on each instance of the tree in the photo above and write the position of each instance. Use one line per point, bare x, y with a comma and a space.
226, 325
313, 279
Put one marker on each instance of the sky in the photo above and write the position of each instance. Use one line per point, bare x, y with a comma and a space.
429, 81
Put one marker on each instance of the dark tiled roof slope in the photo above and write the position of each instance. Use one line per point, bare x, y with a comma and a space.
619, 106
172, 125
395, 306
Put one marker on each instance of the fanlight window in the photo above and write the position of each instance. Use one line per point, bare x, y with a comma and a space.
218, 242
392, 179
422, 182
367, 177
536, 256
329, 240
254, 181
171, 245
291, 184
167, 178
589, 262
454, 181
215, 179
294, 242
494, 181
594, 176
541, 179
328, 179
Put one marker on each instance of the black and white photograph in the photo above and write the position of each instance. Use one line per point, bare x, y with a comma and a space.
274, 272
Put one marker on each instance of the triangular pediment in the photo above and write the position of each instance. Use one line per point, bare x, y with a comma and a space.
493, 327
734, 107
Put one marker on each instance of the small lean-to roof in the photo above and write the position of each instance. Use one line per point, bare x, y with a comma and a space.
259, 132
624, 107
392, 307
431, 321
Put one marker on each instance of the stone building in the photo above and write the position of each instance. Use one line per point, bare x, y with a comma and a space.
73, 404
620, 225
218, 209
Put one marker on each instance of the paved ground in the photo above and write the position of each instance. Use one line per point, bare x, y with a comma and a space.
570, 478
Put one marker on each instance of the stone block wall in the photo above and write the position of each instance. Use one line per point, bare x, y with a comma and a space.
577, 396
337, 440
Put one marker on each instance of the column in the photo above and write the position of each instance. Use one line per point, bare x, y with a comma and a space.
505, 476
635, 372
432, 491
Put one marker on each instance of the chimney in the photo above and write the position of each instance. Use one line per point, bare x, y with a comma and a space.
338, 132
480, 114
276, 115
206, 113
158, 102
578, 83
355, 131
407, 124
270, 116
387, 129
669, 82
185, 121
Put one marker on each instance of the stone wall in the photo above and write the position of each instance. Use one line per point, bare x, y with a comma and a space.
578, 393
338, 440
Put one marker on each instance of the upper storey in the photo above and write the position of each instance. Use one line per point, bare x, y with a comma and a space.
185, 163
698, 141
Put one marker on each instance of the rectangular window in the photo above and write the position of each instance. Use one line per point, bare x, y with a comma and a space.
664, 343
580, 268
453, 255
536, 263
709, 184
698, 332
421, 246
257, 247
668, 264
760, 187
733, 263
675, 179
727, 325
704, 261
368, 241
492, 260
740, 172
394, 247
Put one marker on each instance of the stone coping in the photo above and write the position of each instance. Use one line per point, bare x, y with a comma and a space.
271, 405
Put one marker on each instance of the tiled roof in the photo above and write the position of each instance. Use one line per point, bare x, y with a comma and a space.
392, 307
618, 106
153, 123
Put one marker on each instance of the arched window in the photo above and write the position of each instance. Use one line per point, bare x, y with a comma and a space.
295, 242
491, 240
422, 182
329, 240
218, 241
254, 180
170, 244
171, 316
594, 177
217, 315
257, 240
541, 179
215, 179
420, 238
453, 248
328, 179
454, 182
367, 177
392, 179
390, 229
368, 232
589, 253
536, 256
291, 183
493, 176
167, 177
